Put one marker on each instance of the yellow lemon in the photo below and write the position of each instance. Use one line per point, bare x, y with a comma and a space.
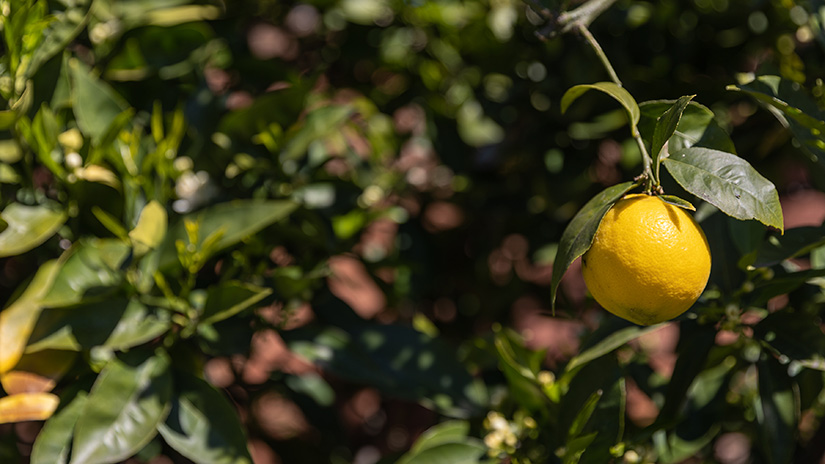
649, 261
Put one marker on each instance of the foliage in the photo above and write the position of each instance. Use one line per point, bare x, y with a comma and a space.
372, 192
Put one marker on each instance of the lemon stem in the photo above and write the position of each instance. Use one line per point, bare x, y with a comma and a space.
651, 179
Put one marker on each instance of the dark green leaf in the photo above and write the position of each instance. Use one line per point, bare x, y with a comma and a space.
610, 343
794, 334
95, 103
727, 182
128, 401
28, 227
676, 201
312, 385
397, 360
115, 323
230, 298
697, 126
695, 343
618, 93
578, 236
794, 242
794, 109
776, 412
666, 126
782, 284
65, 26
203, 425
584, 414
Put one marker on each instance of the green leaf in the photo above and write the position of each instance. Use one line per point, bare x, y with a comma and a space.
150, 229
610, 343
236, 219
203, 425
794, 334
794, 242
116, 323
230, 298
28, 227
398, 360
666, 126
95, 103
7, 119
727, 182
45, 132
578, 236
451, 431
467, 452
695, 343
676, 201
54, 440
794, 109
584, 414
93, 267
618, 93
782, 284
128, 401
776, 412
697, 126
63, 28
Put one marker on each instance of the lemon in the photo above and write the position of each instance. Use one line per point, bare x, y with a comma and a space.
649, 260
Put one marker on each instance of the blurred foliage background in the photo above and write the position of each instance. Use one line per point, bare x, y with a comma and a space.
343, 214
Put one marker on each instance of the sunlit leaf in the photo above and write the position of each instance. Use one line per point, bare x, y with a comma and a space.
95, 103
27, 407
467, 452
728, 182
37, 372
28, 227
54, 440
666, 126
610, 343
128, 401
150, 229
618, 93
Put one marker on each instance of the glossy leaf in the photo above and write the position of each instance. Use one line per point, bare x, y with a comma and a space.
617, 93
54, 440
116, 323
776, 412
666, 126
92, 267
794, 109
446, 432
28, 227
18, 320
236, 220
203, 425
95, 103
578, 236
27, 407
128, 401
230, 298
728, 183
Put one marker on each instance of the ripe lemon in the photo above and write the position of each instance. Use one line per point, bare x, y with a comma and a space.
649, 261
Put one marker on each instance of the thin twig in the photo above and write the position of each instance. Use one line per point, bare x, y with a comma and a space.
598, 49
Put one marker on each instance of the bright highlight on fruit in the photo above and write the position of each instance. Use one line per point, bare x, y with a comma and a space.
649, 261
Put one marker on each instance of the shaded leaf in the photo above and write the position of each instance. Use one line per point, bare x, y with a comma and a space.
37, 372
55, 438
578, 236
776, 412
794, 242
92, 267
610, 343
446, 432
666, 126
727, 182
95, 103
230, 298
203, 426
618, 93
128, 401
794, 334
28, 227
468, 451
676, 201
